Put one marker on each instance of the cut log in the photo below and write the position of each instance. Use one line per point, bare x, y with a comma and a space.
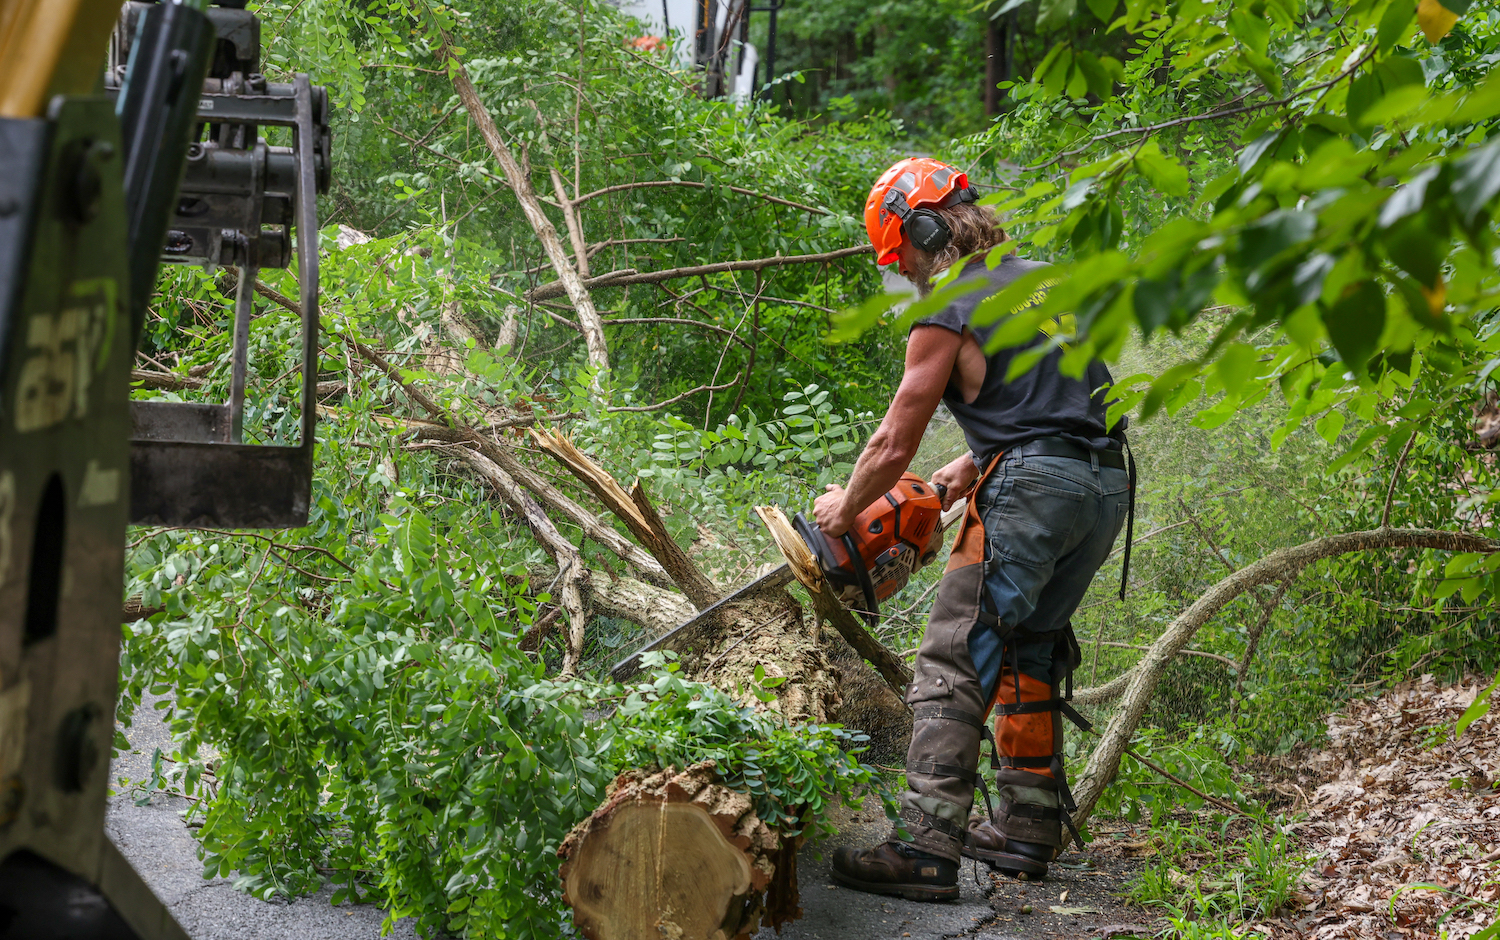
675, 854
770, 632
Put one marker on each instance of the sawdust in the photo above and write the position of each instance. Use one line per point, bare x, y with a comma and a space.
1403, 821
770, 633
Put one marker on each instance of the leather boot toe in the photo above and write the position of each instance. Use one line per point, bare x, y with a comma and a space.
896, 869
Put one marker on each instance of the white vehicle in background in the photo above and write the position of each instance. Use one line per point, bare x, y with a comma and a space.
711, 36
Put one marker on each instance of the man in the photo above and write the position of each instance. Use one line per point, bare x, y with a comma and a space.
1051, 498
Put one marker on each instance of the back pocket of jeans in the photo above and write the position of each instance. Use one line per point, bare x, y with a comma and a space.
1032, 523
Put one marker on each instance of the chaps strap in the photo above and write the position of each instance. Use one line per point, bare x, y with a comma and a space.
923, 820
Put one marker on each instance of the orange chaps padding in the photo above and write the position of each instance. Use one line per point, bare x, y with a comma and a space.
1023, 735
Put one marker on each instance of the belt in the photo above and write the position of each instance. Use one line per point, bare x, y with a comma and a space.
1061, 447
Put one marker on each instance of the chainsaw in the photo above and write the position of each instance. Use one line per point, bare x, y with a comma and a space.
895, 536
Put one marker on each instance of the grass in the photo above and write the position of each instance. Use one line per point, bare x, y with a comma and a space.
1209, 884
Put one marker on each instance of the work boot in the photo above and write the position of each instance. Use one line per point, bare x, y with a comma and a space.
899, 869
1026, 861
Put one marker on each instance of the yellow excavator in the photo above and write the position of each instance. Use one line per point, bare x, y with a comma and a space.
130, 136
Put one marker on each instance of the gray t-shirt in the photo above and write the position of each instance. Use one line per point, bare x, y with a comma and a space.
1042, 402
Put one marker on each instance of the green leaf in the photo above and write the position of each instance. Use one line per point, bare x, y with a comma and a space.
1251, 29
1476, 179
1235, 365
1399, 71
1364, 91
1393, 23
1103, 9
1416, 250
1094, 75
1273, 234
1053, 14
1161, 171
1355, 323
1330, 425
1483, 102
1257, 148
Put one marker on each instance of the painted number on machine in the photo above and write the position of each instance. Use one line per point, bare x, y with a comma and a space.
64, 350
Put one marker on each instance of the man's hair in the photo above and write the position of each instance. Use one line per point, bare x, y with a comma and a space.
974, 228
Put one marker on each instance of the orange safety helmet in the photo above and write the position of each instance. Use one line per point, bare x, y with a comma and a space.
901, 201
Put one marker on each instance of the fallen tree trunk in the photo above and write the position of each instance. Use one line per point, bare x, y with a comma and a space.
1139, 682
676, 854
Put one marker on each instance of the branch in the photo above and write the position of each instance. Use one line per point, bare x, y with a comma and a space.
557, 288
592, 527
698, 323
1183, 652
1267, 609
134, 609
694, 184
568, 280
166, 381
570, 218
677, 398
438, 412
1390, 493
1207, 116
563, 552
1222, 804
636, 511
1281, 565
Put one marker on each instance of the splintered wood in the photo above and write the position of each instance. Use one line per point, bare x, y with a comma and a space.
798, 556
674, 854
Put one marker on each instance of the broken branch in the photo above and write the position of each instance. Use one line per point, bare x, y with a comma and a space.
558, 288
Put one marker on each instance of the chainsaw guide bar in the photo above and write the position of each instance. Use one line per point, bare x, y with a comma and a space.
690, 635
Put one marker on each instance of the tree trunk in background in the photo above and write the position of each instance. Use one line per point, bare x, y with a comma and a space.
992, 67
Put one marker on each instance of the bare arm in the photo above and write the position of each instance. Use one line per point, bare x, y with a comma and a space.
930, 354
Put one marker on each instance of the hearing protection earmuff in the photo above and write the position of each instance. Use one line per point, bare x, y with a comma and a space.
925, 227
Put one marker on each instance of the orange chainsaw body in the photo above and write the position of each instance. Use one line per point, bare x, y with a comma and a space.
893, 537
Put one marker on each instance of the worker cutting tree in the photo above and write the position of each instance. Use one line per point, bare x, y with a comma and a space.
1048, 494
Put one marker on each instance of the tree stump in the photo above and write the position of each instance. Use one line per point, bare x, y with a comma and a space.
673, 854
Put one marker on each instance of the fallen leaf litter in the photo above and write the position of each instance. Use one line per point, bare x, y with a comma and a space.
1403, 821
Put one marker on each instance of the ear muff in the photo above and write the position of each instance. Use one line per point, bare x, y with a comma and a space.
925, 227
927, 230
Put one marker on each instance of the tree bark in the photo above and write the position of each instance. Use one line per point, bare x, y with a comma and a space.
1282, 565
656, 609
676, 854
589, 321
639, 516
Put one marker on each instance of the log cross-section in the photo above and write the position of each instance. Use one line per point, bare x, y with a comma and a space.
676, 854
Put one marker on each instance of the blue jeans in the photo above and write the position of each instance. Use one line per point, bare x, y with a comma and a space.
1049, 524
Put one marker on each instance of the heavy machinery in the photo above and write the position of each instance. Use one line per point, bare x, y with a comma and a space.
128, 137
